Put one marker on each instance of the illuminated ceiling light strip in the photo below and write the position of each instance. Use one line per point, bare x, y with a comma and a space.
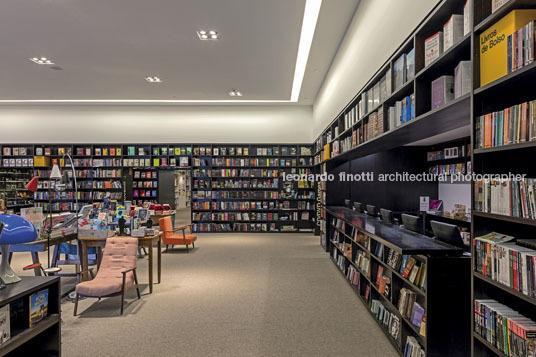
310, 18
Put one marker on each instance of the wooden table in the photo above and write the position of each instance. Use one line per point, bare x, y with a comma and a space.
156, 217
148, 241
41, 245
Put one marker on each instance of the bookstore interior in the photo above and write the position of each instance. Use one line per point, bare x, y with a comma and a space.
277, 178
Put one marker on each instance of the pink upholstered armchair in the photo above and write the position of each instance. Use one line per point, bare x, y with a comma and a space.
117, 272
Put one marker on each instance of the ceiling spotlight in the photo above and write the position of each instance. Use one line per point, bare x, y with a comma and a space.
207, 35
41, 60
235, 93
153, 79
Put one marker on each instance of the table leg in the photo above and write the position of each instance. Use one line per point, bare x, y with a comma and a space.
159, 244
85, 264
55, 255
150, 268
35, 260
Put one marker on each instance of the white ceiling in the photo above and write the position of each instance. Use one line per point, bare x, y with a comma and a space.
106, 48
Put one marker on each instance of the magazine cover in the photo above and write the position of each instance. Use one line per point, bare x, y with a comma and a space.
38, 306
5, 331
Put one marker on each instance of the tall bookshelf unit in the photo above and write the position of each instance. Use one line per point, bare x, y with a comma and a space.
241, 188
507, 91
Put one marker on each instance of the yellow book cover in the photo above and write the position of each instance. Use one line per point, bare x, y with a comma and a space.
326, 152
494, 44
156, 162
177, 151
118, 152
105, 152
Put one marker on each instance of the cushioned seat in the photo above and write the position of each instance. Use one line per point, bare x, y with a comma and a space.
170, 237
117, 271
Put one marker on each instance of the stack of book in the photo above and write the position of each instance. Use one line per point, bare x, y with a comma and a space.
507, 197
504, 328
513, 125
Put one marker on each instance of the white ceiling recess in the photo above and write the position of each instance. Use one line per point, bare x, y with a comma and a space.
106, 49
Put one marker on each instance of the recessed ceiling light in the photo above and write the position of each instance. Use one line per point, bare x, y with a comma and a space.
153, 79
41, 60
207, 35
235, 93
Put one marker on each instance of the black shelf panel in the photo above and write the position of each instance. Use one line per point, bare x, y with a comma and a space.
26, 335
500, 217
525, 145
526, 74
453, 115
447, 61
488, 345
505, 288
497, 15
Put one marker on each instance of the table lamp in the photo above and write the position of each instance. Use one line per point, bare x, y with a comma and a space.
32, 185
16, 230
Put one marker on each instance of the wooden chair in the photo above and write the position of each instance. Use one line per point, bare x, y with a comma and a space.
117, 272
170, 237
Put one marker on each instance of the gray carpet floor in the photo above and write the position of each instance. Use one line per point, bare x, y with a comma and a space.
234, 295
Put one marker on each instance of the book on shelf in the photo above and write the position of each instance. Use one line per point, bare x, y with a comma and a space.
462, 78
412, 348
406, 302
504, 328
389, 320
494, 44
417, 315
38, 307
388, 82
467, 12
399, 72
452, 31
5, 324
513, 125
433, 48
410, 64
497, 4
520, 47
514, 198
442, 91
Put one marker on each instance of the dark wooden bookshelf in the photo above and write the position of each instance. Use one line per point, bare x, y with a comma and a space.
445, 268
44, 336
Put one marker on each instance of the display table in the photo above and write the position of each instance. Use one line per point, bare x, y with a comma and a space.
41, 245
148, 241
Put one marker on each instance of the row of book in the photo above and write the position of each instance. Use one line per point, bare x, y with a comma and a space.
515, 198
251, 173
219, 161
242, 227
16, 151
244, 216
513, 125
520, 47
18, 162
56, 206
412, 348
447, 88
183, 161
145, 174
504, 328
112, 184
82, 174
451, 169
511, 264
389, 320
414, 270
412, 310
144, 193
144, 184
453, 152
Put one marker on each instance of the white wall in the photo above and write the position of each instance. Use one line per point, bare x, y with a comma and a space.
453, 193
155, 124
378, 28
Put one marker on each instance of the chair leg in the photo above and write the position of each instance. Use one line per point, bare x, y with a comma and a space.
123, 294
137, 286
75, 304
193, 245
187, 249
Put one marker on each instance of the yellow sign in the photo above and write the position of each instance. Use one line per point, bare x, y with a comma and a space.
494, 46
